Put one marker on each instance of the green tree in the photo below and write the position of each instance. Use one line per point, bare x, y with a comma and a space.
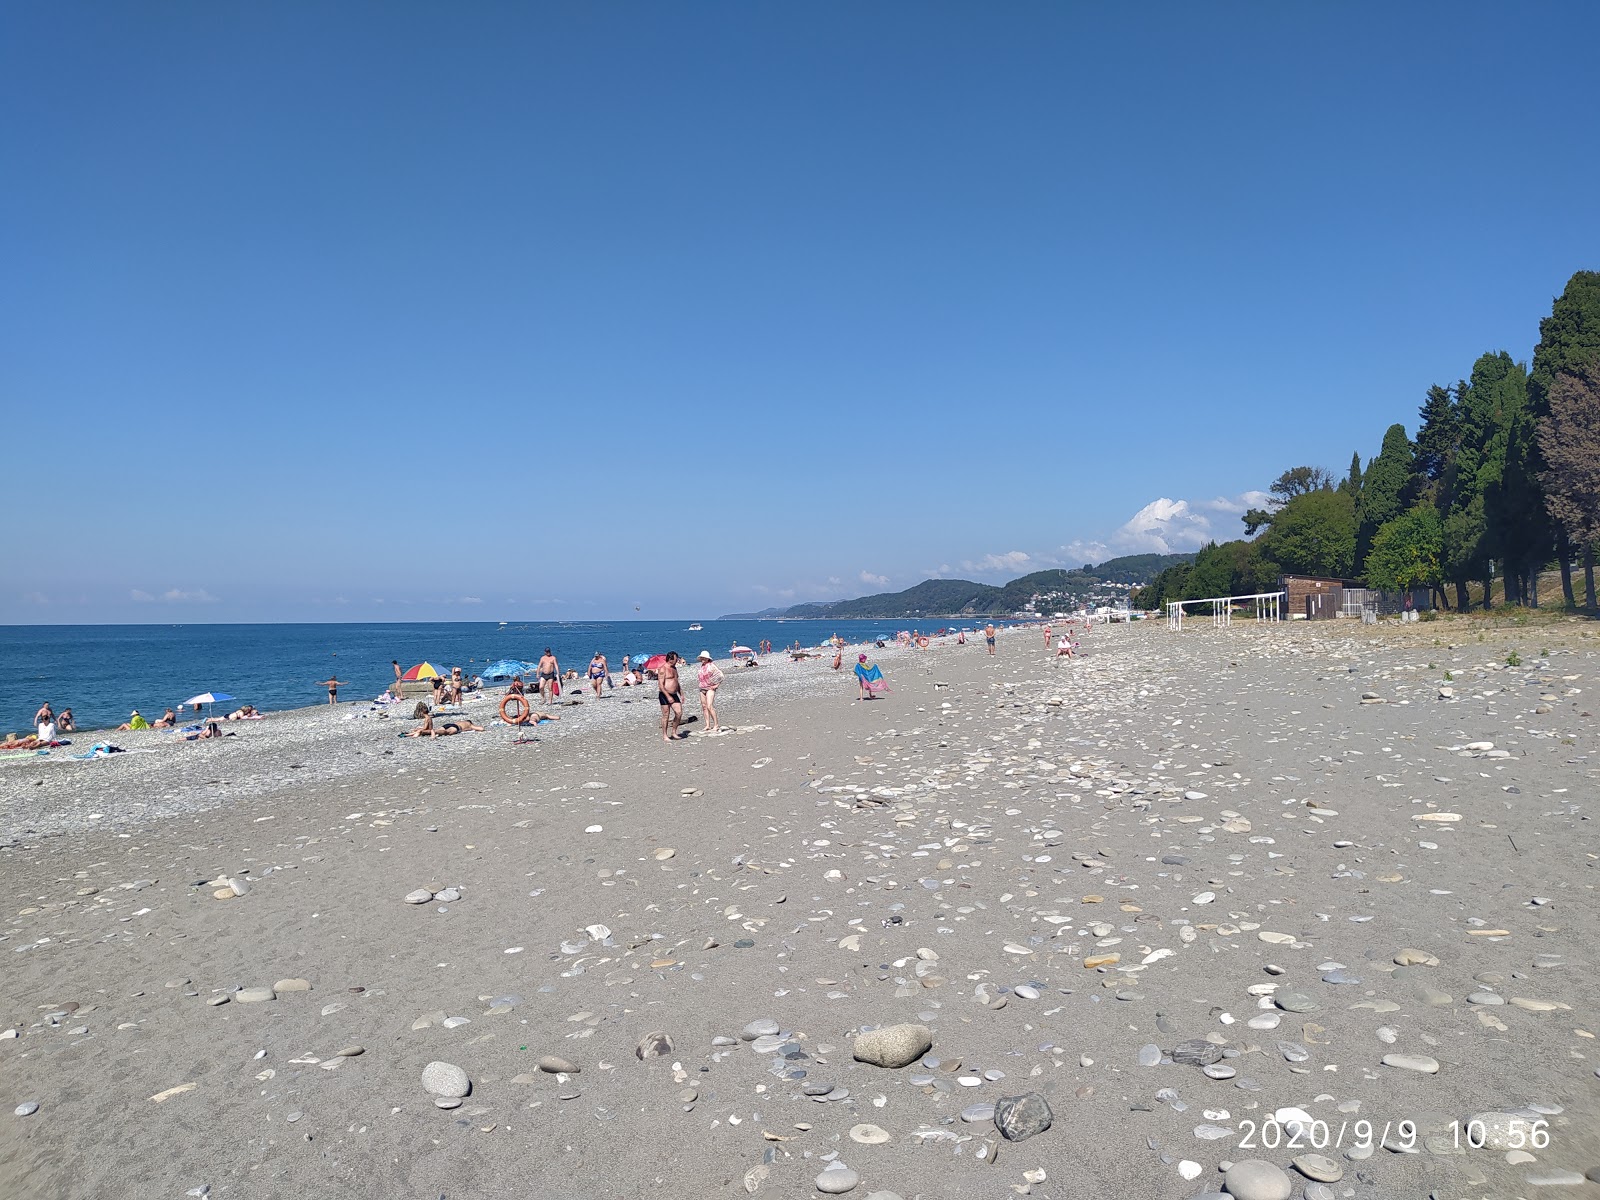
1226, 569
1406, 552
1570, 335
1352, 482
1298, 481
1313, 534
1490, 459
1170, 584
1385, 489
1436, 437
1569, 439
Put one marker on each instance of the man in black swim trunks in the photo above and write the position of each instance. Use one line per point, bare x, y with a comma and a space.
670, 697
549, 672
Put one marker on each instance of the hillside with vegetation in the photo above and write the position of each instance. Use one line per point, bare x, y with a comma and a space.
1041, 591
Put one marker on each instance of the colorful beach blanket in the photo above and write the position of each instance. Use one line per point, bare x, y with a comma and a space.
871, 677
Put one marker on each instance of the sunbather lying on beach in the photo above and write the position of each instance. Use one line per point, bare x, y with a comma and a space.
13, 742
247, 713
448, 728
212, 730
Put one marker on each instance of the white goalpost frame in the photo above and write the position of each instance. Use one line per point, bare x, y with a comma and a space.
1269, 608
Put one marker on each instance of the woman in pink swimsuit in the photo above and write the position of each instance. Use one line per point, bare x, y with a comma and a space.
710, 679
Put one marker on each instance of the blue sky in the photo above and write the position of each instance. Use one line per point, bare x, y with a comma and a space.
403, 311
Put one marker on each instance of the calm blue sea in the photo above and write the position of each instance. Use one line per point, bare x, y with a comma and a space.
102, 672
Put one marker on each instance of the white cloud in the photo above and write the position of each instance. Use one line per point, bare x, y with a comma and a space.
179, 596
142, 597
1163, 526
470, 600
1014, 562
1078, 552
868, 577
1236, 505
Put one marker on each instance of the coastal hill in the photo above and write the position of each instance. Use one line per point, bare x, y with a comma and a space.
1042, 591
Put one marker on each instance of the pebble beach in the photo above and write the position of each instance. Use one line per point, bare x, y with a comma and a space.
1295, 910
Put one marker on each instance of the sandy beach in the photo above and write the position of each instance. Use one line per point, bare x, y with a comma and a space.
1269, 911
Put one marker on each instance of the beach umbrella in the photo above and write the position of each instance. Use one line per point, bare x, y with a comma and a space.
505, 669
655, 662
420, 671
208, 699
741, 651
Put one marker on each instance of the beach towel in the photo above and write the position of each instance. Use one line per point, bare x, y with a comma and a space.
871, 678
138, 723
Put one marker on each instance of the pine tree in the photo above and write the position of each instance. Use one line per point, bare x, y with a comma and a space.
1385, 490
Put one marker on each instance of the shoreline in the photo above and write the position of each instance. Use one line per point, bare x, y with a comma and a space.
323, 744
1075, 879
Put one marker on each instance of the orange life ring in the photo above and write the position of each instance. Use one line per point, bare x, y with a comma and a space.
523, 709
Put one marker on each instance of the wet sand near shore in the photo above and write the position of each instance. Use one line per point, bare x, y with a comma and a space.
1160, 911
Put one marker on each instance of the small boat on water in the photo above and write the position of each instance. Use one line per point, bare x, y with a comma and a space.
695, 628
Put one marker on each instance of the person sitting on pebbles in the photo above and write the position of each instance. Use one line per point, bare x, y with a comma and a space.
135, 721
167, 721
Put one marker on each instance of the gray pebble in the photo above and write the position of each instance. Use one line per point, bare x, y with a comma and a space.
1019, 1118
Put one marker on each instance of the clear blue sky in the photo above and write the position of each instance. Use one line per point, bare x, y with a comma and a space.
322, 311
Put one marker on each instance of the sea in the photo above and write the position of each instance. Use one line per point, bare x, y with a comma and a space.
103, 672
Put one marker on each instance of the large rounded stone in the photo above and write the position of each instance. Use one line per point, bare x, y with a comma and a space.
445, 1079
893, 1045
837, 1180
1018, 1118
1319, 1167
1257, 1179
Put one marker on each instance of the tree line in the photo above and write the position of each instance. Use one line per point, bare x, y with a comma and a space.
1501, 481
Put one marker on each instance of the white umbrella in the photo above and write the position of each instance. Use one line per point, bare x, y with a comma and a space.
208, 699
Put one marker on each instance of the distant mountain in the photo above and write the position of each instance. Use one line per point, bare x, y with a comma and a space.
1042, 591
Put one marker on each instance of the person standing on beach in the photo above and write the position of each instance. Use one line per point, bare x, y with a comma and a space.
549, 673
333, 688
45, 713
1047, 635
710, 679
598, 672
669, 695
988, 636
399, 680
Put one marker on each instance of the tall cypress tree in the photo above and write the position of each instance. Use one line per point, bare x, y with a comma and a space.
1436, 437
1568, 337
1385, 490
1352, 482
